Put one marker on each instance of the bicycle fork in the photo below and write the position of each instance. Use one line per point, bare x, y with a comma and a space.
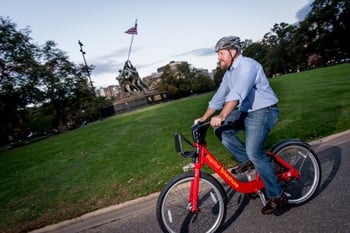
194, 189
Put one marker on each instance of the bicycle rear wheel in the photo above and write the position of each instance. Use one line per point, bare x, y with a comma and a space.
304, 159
174, 209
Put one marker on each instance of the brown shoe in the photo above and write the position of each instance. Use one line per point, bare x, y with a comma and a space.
274, 203
242, 168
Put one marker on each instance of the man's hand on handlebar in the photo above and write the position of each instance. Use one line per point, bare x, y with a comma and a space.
196, 121
216, 121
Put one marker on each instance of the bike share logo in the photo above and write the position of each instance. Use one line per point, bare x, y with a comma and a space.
221, 170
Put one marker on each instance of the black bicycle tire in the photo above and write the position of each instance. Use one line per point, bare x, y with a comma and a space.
312, 158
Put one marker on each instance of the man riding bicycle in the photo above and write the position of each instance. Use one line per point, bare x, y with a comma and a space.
247, 102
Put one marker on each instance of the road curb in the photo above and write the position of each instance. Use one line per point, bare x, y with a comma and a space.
328, 138
99, 212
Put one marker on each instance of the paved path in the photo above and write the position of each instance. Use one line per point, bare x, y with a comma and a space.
329, 211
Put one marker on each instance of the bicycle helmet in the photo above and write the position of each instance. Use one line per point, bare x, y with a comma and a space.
228, 42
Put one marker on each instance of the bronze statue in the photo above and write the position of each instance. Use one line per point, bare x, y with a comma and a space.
129, 79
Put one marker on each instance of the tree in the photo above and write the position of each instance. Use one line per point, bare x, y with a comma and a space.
327, 29
65, 87
168, 83
218, 75
202, 83
18, 77
282, 51
43, 77
184, 81
259, 51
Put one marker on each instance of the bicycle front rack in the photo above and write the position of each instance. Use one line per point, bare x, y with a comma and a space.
179, 146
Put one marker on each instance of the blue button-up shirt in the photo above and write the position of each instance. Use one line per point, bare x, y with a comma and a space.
246, 82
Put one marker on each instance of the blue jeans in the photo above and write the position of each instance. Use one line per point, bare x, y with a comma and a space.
257, 125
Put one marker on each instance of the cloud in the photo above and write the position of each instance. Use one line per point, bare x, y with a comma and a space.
106, 67
111, 62
106, 64
199, 52
152, 64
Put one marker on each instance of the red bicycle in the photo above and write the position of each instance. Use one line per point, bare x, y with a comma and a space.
195, 201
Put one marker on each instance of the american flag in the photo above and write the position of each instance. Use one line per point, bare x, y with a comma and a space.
132, 30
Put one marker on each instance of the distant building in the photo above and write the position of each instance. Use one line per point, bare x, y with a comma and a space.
173, 66
152, 80
204, 72
108, 92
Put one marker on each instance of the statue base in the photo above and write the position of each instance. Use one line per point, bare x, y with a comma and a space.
130, 102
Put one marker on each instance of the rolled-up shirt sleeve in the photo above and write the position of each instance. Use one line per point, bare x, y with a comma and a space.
219, 99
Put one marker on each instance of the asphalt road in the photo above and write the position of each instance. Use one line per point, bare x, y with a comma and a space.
328, 211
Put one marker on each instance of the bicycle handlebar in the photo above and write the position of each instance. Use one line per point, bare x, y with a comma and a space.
199, 131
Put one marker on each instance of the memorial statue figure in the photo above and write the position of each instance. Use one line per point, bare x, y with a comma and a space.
129, 79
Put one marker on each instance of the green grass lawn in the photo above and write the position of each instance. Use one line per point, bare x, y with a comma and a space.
132, 154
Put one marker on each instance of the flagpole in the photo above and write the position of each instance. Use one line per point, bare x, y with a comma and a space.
132, 39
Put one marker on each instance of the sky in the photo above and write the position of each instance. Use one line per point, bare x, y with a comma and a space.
177, 30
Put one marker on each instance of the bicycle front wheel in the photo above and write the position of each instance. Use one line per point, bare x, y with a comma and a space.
174, 209
304, 159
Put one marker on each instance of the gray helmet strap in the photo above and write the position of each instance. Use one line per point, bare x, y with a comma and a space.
232, 57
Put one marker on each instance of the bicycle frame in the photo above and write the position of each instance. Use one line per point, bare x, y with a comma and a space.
196, 201
202, 156
206, 157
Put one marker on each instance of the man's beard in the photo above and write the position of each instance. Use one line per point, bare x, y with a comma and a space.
223, 65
